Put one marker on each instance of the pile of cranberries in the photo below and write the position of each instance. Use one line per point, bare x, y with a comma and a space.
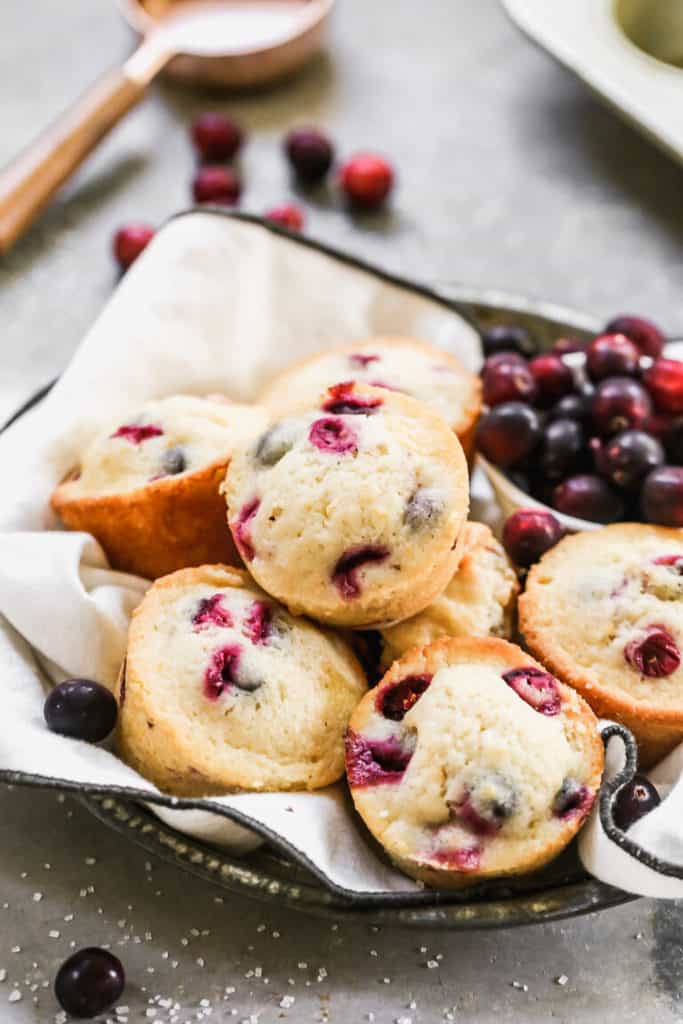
599, 435
365, 180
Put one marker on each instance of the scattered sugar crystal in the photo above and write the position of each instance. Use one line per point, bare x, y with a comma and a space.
286, 1002
54, 934
562, 980
37, 897
14, 996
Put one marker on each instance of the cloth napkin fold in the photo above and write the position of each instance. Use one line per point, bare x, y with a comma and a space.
214, 304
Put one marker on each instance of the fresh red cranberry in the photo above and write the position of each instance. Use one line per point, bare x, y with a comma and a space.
553, 379
673, 440
612, 355
345, 572
89, 982
664, 381
486, 807
211, 612
573, 407
627, 458
528, 533
508, 381
81, 709
259, 622
675, 562
367, 180
633, 801
508, 433
654, 655
460, 858
360, 361
396, 700
506, 337
216, 137
643, 333
332, 434
241, 529
563, 449
287, 216
225, 670
536, 687
216, 184
369, 762
129, 241
341, 400
662, 496
587, 496
137, 433
310, 153
567, 346
620, 403
572, 799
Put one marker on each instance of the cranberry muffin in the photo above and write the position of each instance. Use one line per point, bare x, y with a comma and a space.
400, 364
350, 510
148, 488
469, 761
604, 611
479, 599
224, 690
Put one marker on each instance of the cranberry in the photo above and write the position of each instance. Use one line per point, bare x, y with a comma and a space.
242, 531
367, 180
342, 401
553, 378
216, 184
360, 361
332, 434
508, 433
210, 612
89, 982
288, 216
536, 687
633, 801
563, 449
673, 440
225, 670
674, 562
508, 381
310, 153
528, 533
654, 655
129, 241
626, 458
612, 355
422, 508
662, 496
572, 407
136, 433
484, 808
259, 622
369, 762
173, 461
345, 572
81, 709
505, 337
664, 381
571, 799
643, 333
586, 496
463, 858
216, 137
567, 346
619, 404
396, 700
505, 356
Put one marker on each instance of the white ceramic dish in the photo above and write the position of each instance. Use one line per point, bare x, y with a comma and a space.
630, 52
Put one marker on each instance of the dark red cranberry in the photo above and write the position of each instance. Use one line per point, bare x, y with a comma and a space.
620, 403
563, 449
216, 184
225, 670
508, 433
664, 381
342, 401
216, 137
81, 709
89, 982
366, 180
528, 533
422, 509
396, 700
571, 799
211, 612
241, 529
287, 216
538, 688
485, 808
655, 654
459, 858
572, 407
345, 572
136, 433
673, 441
586, 496
360, 361
372, 762
506, 337
259, 622
129, 241
662, 496
626, 458
310, 153
633, 801
553, 379
567, 346
612, 355
332, 434
508, 381
173, 461
643, 333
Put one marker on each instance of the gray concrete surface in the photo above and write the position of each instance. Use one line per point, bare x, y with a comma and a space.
511, 175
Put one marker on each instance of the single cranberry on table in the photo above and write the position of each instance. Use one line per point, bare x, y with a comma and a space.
215, 184
216, 136
644, 333
567, 346
81, 709
89, 982
612, 355
664, 381
627, 458
587, 496
633, 801
508, 433
310, 153
508, 337
563, 451
129, 241
508, 380
287, 216
367, 180
528, 533
620, 403
553, 379
662, 496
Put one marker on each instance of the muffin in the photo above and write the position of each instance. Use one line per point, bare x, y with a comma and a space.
224, 690
147, 489
349, 511
469, 762
479, 599
400, 364
604, 611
